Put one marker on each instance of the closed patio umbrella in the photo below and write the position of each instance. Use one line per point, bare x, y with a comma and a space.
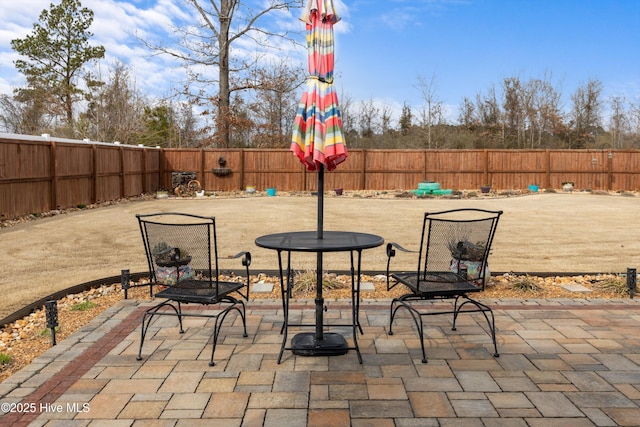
318, 141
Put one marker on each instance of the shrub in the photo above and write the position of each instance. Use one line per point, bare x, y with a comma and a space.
47, 331
83, 306
305, 282
5, 359
616, 285
525, 284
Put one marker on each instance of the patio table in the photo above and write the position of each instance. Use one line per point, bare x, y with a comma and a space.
319, 343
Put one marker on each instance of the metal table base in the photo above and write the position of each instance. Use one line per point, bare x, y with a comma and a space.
320, 343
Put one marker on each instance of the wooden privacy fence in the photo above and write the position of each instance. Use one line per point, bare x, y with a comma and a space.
404, 169
41, 174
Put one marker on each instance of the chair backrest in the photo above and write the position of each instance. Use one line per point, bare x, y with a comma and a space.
180, 247
457, 241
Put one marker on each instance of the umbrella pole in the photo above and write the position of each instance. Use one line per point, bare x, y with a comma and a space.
319, 343
320, 231
321, 202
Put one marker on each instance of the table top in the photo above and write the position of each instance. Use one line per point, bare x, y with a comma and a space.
307, 241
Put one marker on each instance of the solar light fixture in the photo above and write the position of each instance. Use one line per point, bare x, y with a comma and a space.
125, 281
631, 281
51, 310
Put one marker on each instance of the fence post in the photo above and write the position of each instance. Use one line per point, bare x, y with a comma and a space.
202, 159
424, 165
241, 169
548, 168
363, 171
144, 170
122, 186
610, 171
161, 162
54, 175
485, 168
94, 174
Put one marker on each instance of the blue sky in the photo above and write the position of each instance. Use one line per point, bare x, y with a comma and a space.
384, 46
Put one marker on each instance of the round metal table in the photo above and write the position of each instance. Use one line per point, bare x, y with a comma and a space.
319, 343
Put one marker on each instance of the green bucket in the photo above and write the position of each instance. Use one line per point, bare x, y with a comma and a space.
428, 186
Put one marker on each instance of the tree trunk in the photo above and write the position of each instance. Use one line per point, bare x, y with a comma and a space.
224, 101
223, 120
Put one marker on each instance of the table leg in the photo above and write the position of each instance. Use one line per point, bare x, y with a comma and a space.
285, 291
355, 304
355, 298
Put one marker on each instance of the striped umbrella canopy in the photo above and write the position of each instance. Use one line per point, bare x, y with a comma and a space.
317, 131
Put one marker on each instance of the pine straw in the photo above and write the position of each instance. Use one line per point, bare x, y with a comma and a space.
28, 338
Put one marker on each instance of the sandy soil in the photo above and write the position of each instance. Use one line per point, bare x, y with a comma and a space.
545, 232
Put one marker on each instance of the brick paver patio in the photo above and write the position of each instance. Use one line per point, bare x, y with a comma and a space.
562, 363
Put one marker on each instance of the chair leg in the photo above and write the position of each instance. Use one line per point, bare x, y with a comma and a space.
147, 317
484, 309
218, 325
179, 311
417, 319
143, 332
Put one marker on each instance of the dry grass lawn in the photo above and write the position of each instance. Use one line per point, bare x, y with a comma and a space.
544, 232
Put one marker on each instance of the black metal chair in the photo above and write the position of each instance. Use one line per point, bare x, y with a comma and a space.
182, 255
452, 263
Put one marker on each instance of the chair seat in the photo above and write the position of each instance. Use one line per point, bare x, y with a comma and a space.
436, 284
199, 291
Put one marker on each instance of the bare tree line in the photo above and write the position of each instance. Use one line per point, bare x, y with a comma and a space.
521, 114
251, 101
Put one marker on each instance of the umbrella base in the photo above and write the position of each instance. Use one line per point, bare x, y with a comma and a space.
306, 344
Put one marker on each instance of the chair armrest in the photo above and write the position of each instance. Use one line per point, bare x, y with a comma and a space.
391, 252
246, 262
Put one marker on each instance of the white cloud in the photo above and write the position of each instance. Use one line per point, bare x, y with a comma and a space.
119, 26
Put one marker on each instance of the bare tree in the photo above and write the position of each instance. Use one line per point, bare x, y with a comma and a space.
467, 114
385, 119
619, 122
550, 112
209, 45
634, 123
116, 109
348, 115
542, 111
586, 113
489, 117
275, 104
431, 113
406, 118
26, 113
188, 132
517, 101
369, 116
